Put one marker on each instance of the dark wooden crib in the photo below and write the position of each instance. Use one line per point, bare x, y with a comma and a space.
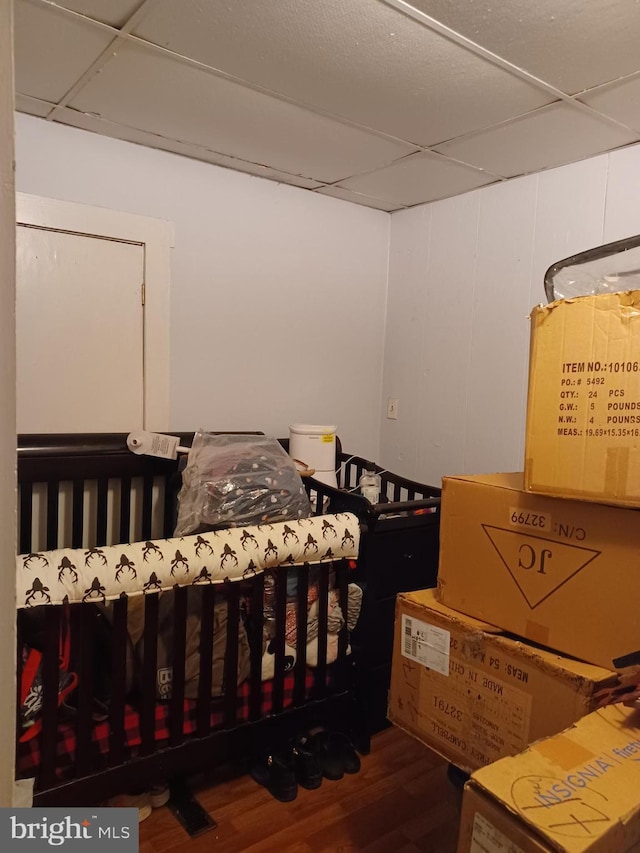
105, 738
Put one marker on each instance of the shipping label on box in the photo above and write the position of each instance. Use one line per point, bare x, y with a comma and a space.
576, 791
470, 708
562, 573
475, 695
583, 411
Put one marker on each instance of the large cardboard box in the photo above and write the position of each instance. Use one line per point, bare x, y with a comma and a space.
583, 414
474, 695
562, 573
578, 791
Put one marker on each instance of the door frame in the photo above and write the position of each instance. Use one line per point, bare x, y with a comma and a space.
156, 236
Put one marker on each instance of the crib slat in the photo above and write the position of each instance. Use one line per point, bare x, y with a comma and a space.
203, 711
119, 645
101, 511
50, 678
125, 509
82, 625
299, 685
342, 663
277, 700
77, 514
230, 681
255, 632
26, 517
147, 507
176, 705
19, 667
168, 521
149, 674
52, 514
320, 681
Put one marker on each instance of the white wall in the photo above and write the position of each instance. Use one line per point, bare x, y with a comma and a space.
464, 274
278, 295
7, 411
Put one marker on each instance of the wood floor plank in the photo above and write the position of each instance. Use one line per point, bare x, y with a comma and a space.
400, 802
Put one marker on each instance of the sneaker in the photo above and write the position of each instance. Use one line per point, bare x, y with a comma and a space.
142, 802
159, 796
277, 774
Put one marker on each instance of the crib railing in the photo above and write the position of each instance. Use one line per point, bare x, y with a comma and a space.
400, 497
90, 747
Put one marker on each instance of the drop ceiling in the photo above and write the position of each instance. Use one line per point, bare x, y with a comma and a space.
379, 102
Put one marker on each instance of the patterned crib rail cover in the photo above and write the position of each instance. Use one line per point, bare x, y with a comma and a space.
233, 554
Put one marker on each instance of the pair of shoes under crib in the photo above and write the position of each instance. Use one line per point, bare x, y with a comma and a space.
311, 757
145, 802
335, 754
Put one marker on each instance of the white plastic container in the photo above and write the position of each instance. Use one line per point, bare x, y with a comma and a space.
370, 485
315, 445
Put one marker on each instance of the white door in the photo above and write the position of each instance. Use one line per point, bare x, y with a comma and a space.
79, 333
91, 319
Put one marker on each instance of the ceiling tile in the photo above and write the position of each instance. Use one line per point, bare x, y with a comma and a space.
418, 178
113, 12
89, 122
360, 60
53, 49
265, 172
25, 104
548, 137
572, 45
359, 198
150, 91
619, 100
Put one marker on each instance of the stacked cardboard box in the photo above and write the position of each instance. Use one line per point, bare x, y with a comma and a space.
549, 555
553, 555
474, 694
583, 414
562, 573
575, 792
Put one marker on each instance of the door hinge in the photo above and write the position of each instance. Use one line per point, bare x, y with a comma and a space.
142, 293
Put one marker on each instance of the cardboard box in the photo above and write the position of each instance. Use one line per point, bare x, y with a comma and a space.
575, 792
474, 695
583, 413
564, 574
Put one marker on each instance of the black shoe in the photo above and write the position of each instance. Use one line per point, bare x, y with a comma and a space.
277, 774
308, 771
361, 741
329, 760
341, 745
336, 755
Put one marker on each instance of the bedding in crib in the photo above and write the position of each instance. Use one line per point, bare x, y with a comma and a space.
28, 759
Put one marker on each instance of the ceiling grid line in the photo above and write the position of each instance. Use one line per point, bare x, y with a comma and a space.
385, 103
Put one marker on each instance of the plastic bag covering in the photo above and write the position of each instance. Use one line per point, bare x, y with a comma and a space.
612, 268
237, 480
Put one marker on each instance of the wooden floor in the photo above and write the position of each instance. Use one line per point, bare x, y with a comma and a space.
400, 802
